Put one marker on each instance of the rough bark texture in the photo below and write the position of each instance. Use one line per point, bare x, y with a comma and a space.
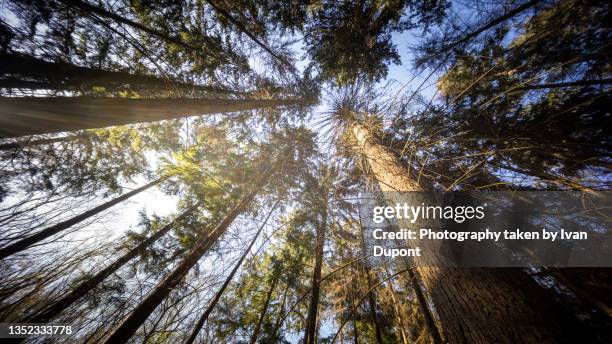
474, 305
20, 116
130, 324
50, 231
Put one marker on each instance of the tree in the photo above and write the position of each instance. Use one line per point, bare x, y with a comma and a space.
229, 278
46, 115
55, 229
490, 287
130, 324
80, 290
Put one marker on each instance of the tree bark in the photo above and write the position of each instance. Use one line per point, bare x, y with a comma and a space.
130, 324
474, 305
50, 231
311, 320
22, 71
217, 297
264, 309
20, 116
84, 287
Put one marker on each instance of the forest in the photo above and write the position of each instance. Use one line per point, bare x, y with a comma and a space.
194, 171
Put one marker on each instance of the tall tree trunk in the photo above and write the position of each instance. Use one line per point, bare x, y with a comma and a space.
264, 309
225, 14
494, 22
50, 231
371, 295
22, 71
432, 328
84, 287
311, 320
217, 297
474, 305
137, 317
89, 8
281, 315
37, 142
21, 116
396, 307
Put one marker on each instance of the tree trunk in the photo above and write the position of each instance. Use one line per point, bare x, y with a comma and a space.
217, 297
474, 305
50, 231
244, 30
518, 10
22, 71
311, 320
264, 309
396, 307
137, 317
371, 295
89, 8
36, 142
281, 315
84, 287
432, 328
21, 116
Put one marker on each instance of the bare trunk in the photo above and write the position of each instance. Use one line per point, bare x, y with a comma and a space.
310, 335
474, 305
217, 297
130, 324
50, 231
264, 309
22, 71
20, 116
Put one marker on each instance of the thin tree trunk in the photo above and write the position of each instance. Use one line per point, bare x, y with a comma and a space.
311, 320
50, 231
89, 8
130, 324
20, 116
264, 309
281, 314
244, 30
217, 297
37, 142
474, 305
371, 296
22, 71
563, 84
518, 10
432, 328
84, 287
396, 306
